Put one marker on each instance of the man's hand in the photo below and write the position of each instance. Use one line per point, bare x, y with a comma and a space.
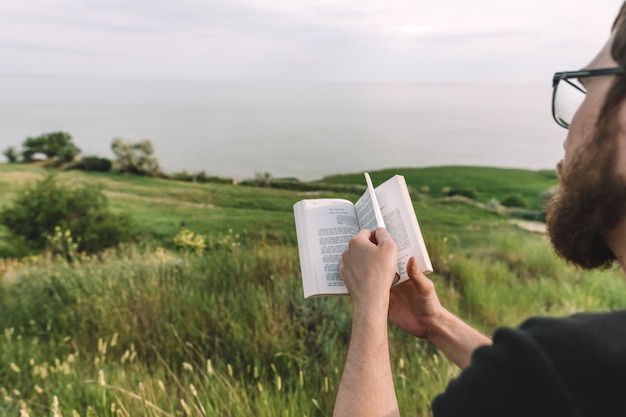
414, 305
415, 308
368, 267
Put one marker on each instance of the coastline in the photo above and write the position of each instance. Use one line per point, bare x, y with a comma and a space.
301, 130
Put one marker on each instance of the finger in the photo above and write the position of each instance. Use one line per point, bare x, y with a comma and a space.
422, 283
365, 236
381, 234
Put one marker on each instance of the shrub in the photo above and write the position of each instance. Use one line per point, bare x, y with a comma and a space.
40, 208
93, 163
261, 179
200, 178
188, 241
11, 154
514, 200
183, 176
462, 191
135, 158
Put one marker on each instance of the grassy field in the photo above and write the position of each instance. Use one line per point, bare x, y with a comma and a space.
149, 330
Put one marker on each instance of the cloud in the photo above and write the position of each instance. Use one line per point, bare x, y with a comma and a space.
308, 39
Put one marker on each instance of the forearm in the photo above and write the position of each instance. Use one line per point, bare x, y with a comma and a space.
456, 339
366, 387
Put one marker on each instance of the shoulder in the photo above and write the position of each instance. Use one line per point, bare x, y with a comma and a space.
588, 334
594, 322
546, 367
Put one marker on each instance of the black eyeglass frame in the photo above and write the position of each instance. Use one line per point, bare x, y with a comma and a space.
566, 75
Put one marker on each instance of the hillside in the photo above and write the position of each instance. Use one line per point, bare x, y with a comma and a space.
161, 206
147, 329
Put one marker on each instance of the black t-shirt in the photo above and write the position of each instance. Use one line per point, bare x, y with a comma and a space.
569, 367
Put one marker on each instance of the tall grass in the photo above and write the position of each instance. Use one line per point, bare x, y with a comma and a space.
147, 331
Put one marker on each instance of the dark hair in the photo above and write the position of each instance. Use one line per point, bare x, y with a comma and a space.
617, 93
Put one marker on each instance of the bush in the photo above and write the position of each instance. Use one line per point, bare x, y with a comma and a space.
11, 154
462, 191
41, 208
135, 158
514, 200
183, 176
93, 163
200, 178
261, 179
186, 240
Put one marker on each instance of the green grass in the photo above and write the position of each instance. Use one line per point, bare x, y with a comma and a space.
488, 183
147, 330
161, 205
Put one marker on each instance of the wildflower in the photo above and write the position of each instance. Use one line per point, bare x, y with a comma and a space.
190, 241
185, 407
14, 368
113, 340
55, 407
187, 367
101, 380
316, 404
42, 371
8, 333
102, 347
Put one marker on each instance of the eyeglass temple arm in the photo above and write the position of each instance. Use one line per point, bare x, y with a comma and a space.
585, 73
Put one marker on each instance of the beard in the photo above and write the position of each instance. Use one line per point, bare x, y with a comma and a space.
588, 205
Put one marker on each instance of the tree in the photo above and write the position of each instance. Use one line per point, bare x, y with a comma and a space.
11, 154
135, 158
55, 145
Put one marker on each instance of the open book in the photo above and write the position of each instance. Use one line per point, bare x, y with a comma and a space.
324, 227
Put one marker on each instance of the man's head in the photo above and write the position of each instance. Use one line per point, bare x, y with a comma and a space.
591, 202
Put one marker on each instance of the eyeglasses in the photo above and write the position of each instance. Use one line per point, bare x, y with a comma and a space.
568, 95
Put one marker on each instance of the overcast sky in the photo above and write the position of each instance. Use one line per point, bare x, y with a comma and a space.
330, 40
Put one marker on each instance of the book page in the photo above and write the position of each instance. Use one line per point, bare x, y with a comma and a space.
367, 208
324, 228
401, 221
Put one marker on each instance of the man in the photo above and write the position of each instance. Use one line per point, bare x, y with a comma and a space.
573, 366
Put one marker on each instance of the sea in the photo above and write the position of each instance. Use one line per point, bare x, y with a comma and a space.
304, 130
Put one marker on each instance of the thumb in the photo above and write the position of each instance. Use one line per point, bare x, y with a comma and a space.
418, 278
